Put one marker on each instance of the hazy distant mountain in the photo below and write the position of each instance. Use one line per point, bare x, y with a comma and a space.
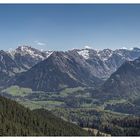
105, 62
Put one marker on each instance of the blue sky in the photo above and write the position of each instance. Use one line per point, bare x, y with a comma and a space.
63, 27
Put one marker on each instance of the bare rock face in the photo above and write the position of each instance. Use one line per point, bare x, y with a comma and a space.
105, 62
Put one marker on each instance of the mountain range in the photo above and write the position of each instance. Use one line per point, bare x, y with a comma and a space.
88, 87
55, 70
105, 62
60, 70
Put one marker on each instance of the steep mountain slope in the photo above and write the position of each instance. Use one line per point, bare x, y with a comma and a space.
125, 81
15, 120
60, 70
8, 67
19, 60
121, 92
105, 62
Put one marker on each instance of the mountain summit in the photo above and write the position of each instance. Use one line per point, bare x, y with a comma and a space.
125, 82
59, 71
26, 56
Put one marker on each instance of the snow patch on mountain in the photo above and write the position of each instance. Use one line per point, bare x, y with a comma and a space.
27, 50
105, 54
84, 53
48, 53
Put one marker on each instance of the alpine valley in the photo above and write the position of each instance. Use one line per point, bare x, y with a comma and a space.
79, 92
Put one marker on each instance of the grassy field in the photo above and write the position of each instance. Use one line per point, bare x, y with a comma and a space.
30, 104
40, 104
112, 102
17, 91
69, 91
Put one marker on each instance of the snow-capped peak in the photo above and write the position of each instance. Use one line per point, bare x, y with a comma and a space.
105, 54
32, 52
24, 48
84, 53
28, 50
124, 48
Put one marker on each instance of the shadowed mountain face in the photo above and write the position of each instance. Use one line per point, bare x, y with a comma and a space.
125, 81
8, 67
60, 70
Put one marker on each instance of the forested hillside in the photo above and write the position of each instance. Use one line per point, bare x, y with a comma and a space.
15, 120
107, 122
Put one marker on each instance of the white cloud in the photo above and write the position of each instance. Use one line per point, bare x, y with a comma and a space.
87, 47
124, 48
40, 43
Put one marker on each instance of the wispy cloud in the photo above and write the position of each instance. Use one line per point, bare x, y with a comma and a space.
40, 43
87, 47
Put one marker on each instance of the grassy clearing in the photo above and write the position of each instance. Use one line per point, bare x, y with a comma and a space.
41, 104
30, 104
112, 102
45, 103
17, 91
68, 91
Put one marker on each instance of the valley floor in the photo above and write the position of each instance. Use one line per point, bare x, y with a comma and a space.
75, 105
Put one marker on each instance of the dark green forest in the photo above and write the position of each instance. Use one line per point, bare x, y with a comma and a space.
106, 122
16, 120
